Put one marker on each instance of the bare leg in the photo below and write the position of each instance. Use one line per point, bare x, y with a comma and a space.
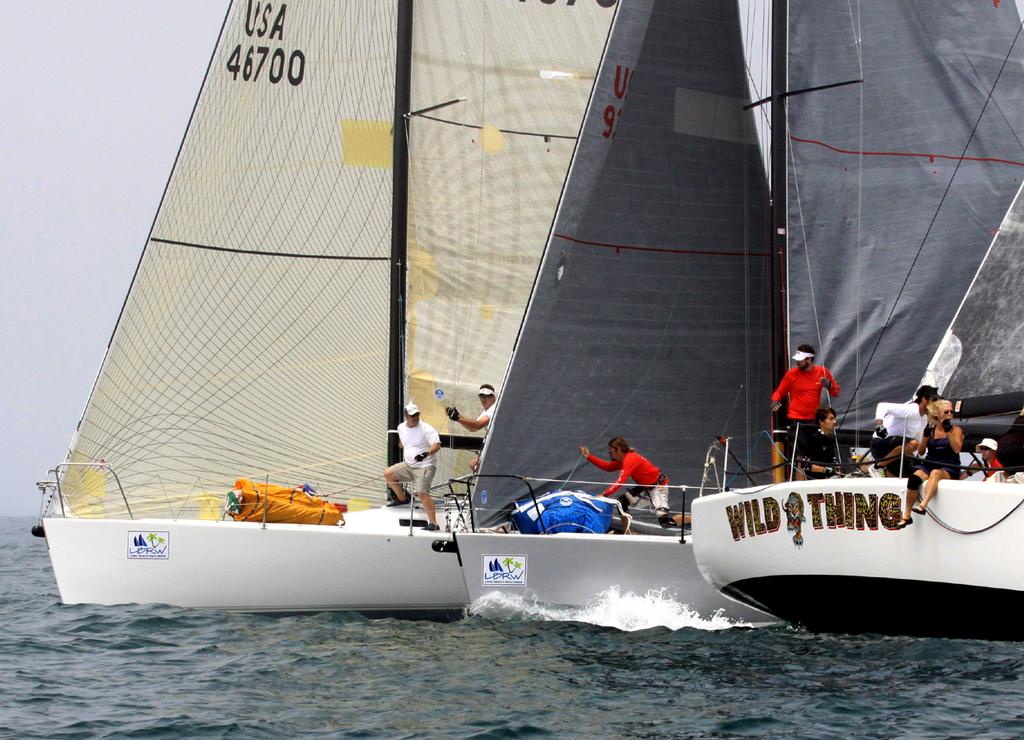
912, 495
932, 486
394, 485
428, 506
893, 455
889, 457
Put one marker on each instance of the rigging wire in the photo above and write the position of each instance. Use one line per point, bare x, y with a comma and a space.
858, 41
935, 215
639, 384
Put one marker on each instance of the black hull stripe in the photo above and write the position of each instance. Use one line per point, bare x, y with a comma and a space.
887, 606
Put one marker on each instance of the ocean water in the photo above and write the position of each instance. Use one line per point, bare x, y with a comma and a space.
628, 665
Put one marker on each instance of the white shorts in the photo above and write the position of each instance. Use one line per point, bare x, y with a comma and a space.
659, 498
1002, 477
421, 478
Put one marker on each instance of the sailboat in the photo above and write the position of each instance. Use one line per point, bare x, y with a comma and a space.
919, 290
897, 130
353, 221
638, 324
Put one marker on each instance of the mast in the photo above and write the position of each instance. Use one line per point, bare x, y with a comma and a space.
778, 188
778, 192
399, 224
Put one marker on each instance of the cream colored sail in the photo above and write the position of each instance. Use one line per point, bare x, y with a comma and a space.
253, 341
486, 175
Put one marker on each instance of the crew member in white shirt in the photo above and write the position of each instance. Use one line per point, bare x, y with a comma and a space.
487, 400
898, 428
419, 442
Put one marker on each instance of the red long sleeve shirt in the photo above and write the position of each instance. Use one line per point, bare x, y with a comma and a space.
633, 465
804, 389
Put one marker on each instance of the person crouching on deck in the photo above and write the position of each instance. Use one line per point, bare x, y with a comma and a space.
651, 481
941, 441
898, 428
818, 451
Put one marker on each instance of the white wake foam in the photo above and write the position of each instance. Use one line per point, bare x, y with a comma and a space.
628, 611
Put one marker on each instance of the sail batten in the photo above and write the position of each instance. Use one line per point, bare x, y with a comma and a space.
292, 255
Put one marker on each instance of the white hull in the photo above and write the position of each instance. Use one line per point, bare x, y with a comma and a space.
855, 571
371, 565
575, 569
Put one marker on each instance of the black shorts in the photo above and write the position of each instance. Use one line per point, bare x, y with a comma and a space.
882, 446
806, 426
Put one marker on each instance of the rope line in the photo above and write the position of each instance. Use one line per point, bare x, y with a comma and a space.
994, 524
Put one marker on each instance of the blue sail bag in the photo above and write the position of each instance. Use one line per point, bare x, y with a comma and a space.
564, 511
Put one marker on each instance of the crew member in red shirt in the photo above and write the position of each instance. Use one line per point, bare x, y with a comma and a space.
803, 383
631, 464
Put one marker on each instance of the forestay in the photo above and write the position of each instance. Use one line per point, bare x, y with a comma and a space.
646, 318
253, 341
887, 224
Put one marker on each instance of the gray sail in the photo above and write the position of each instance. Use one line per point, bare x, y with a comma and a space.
983, 351
648, 317
887, 224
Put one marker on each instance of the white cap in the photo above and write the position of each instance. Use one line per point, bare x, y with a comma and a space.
803, 356
412, 409
989, 443
485, 391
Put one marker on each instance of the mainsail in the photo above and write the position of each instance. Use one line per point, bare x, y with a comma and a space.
896, 185
648, 317
254, 339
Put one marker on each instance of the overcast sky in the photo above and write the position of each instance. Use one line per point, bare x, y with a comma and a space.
96, 96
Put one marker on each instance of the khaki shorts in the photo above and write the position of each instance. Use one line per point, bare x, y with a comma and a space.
421, 478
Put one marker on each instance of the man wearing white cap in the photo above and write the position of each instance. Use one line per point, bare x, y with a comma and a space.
419, 442
987, 449
803, 383
487, 400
